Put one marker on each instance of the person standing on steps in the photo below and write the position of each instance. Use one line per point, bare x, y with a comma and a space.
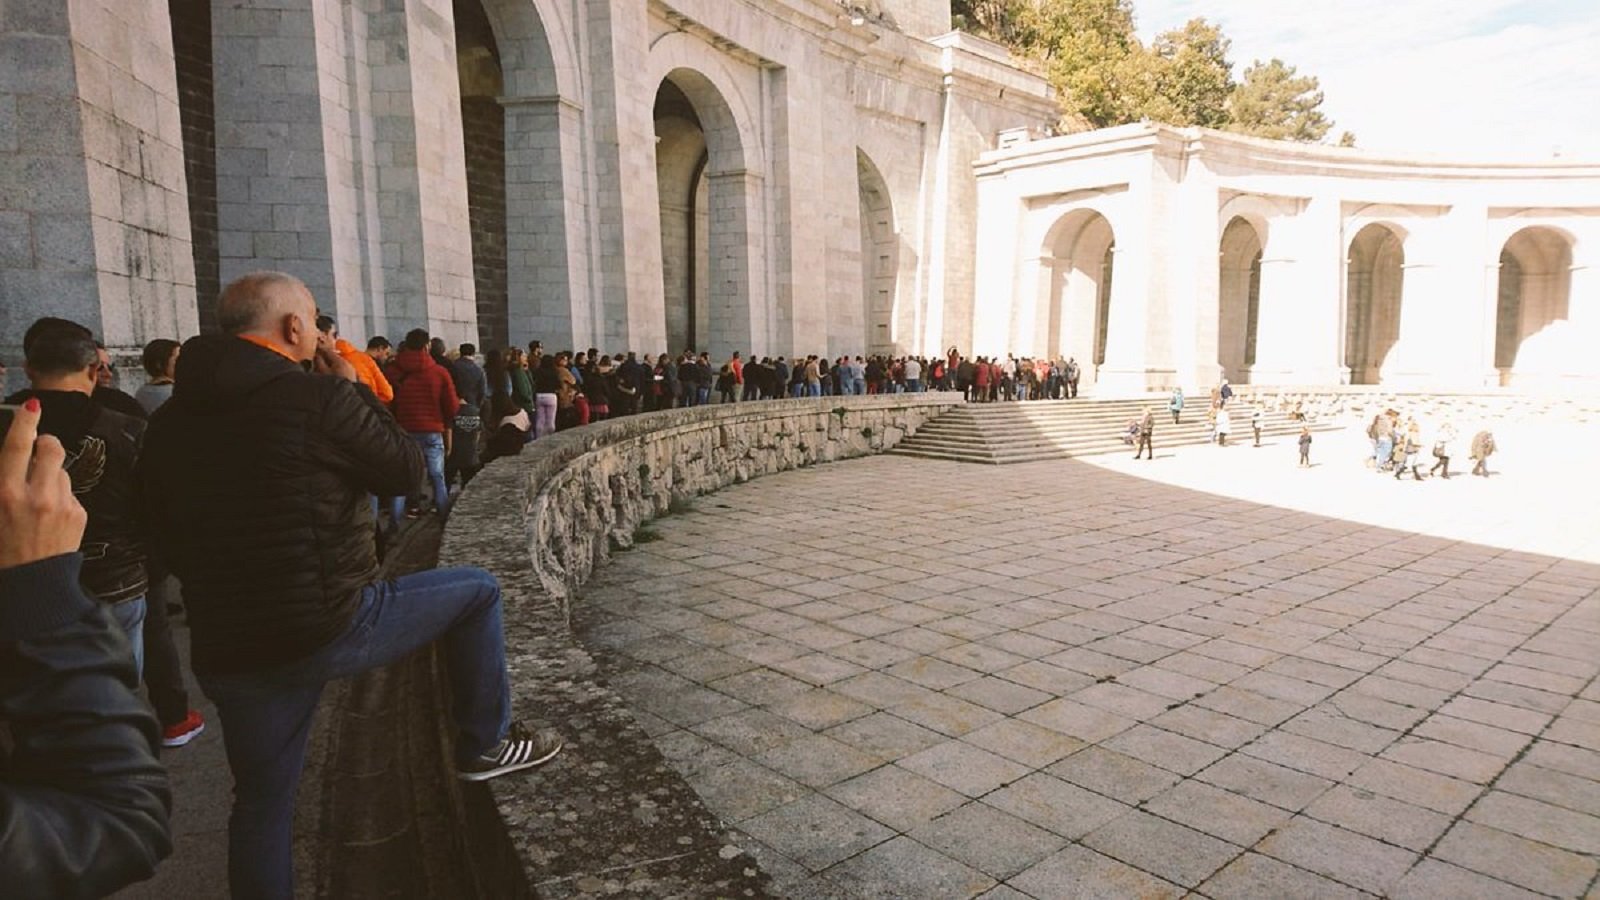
1147, 428
256, 476
1224, 425
1073, 373
1175, 405
1255, 422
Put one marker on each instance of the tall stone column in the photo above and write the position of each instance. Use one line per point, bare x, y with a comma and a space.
339, 158
1299, 312
1128, 325
738, 248
94, 221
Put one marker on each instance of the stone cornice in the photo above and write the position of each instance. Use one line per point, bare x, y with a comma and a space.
1288, 157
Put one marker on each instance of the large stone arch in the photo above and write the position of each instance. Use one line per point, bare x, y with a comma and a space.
1079, 248
730, 311
881, 262
681, 163
1533, 301
1239, 295
529, 253
1374, 288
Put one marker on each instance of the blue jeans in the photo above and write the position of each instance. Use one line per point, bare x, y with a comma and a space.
913, 385
266, 715
130, 615
433, 453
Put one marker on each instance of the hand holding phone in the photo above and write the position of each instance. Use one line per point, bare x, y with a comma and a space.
39, 517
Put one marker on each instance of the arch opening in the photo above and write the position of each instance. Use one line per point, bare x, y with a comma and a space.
1374, 279
702, 190
880, 257
1535, 289
1239, 299
1081, 247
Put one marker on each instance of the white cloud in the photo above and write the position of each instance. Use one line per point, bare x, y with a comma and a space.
1467, 79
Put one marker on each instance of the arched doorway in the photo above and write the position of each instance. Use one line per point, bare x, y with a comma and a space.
511, 123
1239, 299
1535, 291
1373, 283
880, 256
1081, 247
685, 216
702, 186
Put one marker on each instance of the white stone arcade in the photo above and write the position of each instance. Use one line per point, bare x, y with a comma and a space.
1160, 256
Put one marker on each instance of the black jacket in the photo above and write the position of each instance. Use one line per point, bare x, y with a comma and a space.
84, 804
102, 452
256, 477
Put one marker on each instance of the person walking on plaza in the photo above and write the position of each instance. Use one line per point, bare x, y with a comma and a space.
1255, 422
1175, 405
1305, 446
256, 477
1443, 444
1407, 445
1481, 449
1147, 428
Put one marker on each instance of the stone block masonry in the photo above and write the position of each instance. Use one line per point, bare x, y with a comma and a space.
93, 206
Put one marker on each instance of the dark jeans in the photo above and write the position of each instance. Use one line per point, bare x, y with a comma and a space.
163, 671
266, 716
130, 615
1144, 445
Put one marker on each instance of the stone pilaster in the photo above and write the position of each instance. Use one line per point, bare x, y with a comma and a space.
93, 205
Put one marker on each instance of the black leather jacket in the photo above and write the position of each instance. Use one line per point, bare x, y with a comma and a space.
256, 483
102, 452
84, 804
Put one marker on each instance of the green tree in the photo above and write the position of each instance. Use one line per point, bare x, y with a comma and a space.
1193, 77
1085, 47
1271, 101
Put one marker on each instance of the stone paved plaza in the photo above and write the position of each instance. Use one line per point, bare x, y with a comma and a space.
913, 679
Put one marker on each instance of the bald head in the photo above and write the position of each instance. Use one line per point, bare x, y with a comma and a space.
271, 305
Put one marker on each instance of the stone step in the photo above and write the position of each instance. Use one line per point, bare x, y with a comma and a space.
1015, 432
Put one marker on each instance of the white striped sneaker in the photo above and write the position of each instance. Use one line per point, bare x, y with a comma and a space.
515, 753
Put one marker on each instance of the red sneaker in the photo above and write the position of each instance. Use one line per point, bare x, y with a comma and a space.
185, 731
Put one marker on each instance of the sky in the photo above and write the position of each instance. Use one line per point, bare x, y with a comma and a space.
1464, 79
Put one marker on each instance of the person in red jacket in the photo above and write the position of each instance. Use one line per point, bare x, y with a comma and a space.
425, 405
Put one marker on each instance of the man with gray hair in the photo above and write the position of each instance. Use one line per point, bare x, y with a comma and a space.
256, 478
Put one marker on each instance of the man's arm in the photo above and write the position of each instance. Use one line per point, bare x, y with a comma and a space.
366, 442
84, 804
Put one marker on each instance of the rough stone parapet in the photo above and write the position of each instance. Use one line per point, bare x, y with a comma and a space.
610, 814
1358, 403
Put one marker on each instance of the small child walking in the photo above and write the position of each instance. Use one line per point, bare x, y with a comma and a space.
1305, 446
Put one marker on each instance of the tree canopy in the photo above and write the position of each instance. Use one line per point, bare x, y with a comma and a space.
1104, 75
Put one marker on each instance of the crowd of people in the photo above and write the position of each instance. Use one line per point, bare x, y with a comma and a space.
1398, 447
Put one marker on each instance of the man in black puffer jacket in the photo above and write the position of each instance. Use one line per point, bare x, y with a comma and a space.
102, 450
257, 474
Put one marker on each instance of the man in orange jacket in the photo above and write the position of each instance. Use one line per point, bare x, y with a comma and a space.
367, 371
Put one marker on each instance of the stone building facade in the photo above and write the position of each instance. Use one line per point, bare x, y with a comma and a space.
774, 176
1161, 256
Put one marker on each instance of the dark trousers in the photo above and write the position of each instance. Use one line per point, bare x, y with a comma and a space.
1441, 462
1144, 444
163, 672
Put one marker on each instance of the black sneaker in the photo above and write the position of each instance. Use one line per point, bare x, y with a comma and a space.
515, 753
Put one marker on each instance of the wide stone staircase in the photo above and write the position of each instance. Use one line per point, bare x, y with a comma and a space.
1013, 432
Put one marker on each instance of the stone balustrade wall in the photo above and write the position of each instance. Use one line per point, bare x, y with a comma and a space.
1483, 407
610, 814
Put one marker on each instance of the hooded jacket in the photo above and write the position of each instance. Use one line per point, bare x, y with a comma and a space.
256, 477
424, 395
102, 452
